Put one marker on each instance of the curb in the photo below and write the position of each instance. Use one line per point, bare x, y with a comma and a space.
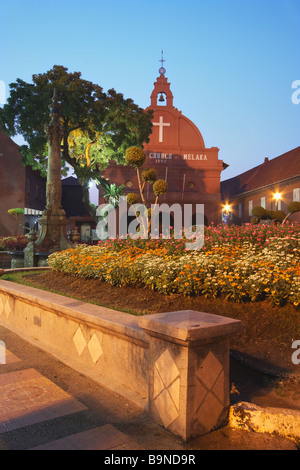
277, 421
275, 372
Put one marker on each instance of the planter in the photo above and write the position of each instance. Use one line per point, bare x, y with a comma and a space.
5, 260
17, 260
42, 259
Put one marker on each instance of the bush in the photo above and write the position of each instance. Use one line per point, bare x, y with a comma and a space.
259, 212
277, 215
135, 156
160, 187
13, 243
294, 207
132, 198
149, 175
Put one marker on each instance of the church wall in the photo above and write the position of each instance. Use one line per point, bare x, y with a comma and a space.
177, 152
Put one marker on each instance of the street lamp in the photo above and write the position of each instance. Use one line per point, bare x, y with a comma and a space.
227, 209
277, 197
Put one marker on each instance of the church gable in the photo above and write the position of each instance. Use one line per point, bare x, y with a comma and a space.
177, 152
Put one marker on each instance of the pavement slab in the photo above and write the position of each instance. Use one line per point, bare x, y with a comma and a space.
46, 405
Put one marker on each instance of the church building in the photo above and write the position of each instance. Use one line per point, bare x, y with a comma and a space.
177, 152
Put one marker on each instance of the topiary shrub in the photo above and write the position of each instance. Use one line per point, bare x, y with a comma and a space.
135, 156
259, 212
132, 198
292, 208
149, 175
278, 215
254, 220
160, 187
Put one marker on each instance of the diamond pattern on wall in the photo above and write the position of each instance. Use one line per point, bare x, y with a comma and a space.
95, 348
166, 388
209, 391
7, 308
79, 341
93, 345
1, 305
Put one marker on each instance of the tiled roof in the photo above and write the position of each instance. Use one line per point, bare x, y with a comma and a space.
271, 171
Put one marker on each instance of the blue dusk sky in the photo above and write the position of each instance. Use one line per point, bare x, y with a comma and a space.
231, 63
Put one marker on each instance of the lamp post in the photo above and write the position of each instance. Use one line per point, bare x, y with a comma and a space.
52, 236
277, 197
227, 208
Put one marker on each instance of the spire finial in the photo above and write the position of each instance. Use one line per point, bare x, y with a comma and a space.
162, 70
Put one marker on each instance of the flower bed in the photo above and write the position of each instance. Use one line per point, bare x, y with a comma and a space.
248, 263
17, 243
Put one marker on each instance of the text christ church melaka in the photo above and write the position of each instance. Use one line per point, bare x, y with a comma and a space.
177, 152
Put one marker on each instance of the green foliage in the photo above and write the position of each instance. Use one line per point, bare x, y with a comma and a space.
149, 175
17, 211
132, 198
108, 120
135, 156
160, 187
112, 192
259, 212
277, 215
13, 243
294, 207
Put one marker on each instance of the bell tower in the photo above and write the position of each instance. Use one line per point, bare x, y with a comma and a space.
162, 88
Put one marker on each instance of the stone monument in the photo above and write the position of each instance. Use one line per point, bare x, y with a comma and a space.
52, 234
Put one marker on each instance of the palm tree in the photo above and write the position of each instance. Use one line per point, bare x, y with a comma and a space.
112, 192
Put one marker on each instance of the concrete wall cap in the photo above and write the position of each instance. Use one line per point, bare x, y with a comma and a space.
188, 325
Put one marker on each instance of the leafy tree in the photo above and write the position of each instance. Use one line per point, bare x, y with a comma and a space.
17, 213
96, 126
292, 208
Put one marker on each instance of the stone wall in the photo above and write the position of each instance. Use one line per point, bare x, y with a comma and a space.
174, 364
5, 260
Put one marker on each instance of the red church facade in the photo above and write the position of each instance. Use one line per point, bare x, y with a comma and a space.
177, 152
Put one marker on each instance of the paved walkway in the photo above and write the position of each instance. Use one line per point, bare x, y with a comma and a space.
45, 405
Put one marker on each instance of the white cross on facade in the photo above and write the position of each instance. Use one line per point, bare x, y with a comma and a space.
161, 125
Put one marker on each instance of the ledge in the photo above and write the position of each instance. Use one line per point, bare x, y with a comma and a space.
188, 327
102, 318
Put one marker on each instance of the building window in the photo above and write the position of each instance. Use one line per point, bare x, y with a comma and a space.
263, 202
128, 184
250, 207
296, 195
191, 185
240, 210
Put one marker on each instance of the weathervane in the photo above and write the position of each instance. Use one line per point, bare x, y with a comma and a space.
162, 70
